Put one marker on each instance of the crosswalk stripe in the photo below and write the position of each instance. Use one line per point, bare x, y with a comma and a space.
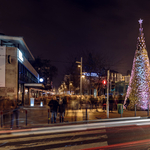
77, 147
45, 140
68, 141
49, 143
52, 135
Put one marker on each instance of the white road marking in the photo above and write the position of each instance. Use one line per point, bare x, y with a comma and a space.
44, 143
51, 136
140, 124
75, 147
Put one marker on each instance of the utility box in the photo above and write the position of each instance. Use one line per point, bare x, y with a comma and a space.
120, 108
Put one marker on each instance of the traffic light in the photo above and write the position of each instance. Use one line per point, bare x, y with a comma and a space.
104, 82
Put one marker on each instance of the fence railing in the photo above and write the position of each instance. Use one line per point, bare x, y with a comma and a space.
30, 116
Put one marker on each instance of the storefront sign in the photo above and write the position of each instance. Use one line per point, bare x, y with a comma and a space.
2, 65
20, 56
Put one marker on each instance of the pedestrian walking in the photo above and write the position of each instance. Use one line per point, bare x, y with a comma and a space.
120, 99
115, 102
61, 109
65, 102
53, 104
14, 113
127, 102
104, 104
111, 102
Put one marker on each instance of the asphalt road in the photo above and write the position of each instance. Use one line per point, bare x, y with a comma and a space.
111, 138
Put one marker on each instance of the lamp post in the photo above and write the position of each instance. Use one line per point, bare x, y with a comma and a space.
68, 76
107, 94
80, 75
70, 84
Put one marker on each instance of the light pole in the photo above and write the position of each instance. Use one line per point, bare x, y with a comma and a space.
70, 84
68, 76
80, 75
107, 94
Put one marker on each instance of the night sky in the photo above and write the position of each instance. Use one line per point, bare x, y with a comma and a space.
60, 29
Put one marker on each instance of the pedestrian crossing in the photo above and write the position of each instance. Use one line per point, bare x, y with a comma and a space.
55, 141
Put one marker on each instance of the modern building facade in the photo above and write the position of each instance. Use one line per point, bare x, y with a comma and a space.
18, 78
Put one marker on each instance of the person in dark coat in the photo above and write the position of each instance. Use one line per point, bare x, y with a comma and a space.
120, 99
15, 112
111, 102
53, 104
127, 103
104, 104
61, 109
65, 103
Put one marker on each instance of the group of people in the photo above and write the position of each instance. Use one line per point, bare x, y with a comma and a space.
8, 107
113, 101
57, 104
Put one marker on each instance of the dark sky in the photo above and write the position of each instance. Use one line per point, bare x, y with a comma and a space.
57, 29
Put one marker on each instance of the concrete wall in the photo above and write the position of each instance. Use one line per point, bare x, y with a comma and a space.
11, 74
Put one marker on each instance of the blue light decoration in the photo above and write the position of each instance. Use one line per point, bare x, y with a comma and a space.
32, 102
138, 90
41, 104
92, 74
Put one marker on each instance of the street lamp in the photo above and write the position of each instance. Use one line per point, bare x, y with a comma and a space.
80, 75
83, 76
107, 112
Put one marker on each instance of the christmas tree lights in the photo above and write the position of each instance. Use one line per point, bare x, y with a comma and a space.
138, 90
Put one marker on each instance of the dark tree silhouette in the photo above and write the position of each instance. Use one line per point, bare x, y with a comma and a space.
45, 71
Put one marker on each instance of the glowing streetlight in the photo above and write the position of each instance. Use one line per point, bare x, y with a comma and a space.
41, 80
83, 76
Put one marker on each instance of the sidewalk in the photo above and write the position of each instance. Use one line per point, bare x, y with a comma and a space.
38, 117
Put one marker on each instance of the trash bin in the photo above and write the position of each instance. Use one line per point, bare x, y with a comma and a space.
120, 108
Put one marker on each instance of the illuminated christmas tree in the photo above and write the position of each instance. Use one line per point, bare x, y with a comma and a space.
139, 86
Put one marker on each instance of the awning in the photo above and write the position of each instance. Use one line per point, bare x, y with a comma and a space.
35, 85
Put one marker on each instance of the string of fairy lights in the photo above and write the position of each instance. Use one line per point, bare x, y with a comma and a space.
138, 90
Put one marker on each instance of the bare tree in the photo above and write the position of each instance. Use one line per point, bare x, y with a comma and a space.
45, 70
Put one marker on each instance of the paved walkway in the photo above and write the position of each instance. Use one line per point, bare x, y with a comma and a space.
38, 116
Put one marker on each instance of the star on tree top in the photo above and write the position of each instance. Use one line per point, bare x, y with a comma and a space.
140, 21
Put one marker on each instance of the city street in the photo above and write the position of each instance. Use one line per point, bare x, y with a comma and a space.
73, 77
86, 136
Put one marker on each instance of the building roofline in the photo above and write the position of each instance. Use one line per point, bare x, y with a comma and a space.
20, 41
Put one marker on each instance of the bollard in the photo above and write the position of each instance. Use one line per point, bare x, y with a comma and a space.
48, 116
86, 114
75, 116
26, 117
148, 110
121, 110
135, 110
1, 119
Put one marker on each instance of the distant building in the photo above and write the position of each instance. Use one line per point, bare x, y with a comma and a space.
118, 82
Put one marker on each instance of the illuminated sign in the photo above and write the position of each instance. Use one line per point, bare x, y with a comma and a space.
91, 74
41, 104
20, 56
31, 101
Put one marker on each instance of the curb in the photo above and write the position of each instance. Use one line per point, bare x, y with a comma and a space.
76, 126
